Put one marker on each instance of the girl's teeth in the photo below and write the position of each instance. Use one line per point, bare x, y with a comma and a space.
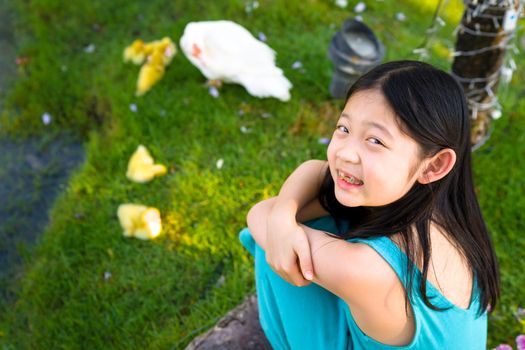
350, 179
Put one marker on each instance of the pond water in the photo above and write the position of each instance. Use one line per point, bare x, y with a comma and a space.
32, 173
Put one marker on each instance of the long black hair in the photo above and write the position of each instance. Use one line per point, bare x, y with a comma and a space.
430, 107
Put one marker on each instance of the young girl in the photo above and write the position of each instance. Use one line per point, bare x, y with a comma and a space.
393, 237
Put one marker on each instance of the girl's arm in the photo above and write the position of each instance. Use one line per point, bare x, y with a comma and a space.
286, 246
257, 220
355, 272
298, 192
351, 271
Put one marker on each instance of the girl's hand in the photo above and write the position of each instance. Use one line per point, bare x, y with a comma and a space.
273, 223
287, 248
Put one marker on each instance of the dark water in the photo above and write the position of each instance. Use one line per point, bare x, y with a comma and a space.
32, 174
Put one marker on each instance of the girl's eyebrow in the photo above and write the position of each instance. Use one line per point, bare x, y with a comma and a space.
374, 124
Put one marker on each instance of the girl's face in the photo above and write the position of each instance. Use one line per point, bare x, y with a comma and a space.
372, 162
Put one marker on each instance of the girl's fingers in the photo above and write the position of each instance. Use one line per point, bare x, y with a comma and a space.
302, 249
296, 280
290, 272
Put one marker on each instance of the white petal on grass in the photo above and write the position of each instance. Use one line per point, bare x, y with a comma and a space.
250, 6
245, 130
90, 48
496, 114
400, 16
520, 312
506, 74
297, 65
133, 107
46, 118
220, 281
341, 3
360, 7
220, 163
213, 91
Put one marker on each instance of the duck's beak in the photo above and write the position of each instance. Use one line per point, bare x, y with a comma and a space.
196, 51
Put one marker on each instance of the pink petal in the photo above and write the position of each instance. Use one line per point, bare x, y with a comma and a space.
503, 347
520, 342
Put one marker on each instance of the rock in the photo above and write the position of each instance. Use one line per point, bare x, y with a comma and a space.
238, 330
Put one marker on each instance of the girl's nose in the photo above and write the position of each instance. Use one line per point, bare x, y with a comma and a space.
348, 154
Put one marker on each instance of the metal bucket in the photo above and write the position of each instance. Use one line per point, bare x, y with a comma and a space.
354, 50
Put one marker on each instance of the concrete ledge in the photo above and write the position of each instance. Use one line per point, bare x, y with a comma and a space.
238, 330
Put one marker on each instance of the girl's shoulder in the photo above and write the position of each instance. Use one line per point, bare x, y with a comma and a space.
380, 310
448, 269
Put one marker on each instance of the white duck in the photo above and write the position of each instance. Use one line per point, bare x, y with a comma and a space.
226, 51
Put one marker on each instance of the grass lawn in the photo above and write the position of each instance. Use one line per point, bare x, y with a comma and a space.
160, 294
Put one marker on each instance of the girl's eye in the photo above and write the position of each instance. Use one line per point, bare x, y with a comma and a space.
342, 128
375, 141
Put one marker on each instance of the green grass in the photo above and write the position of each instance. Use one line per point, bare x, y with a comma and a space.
162, 293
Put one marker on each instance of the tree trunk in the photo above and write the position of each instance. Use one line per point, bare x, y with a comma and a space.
480, 50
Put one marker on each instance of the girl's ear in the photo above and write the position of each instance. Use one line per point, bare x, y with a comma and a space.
438, 166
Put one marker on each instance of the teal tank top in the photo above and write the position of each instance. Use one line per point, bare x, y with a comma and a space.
312, 318
453, 328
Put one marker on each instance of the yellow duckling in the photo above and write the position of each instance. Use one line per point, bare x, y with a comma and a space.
135, 52
157, 54
165, 46
141, 167
139, 221
150, 73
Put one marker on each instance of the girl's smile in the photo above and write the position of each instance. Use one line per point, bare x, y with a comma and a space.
348, 181
349, 178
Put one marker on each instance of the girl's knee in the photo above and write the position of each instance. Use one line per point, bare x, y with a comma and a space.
247, 240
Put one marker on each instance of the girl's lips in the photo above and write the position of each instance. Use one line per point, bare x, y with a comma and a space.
345, 185
347, 181
349, 178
